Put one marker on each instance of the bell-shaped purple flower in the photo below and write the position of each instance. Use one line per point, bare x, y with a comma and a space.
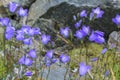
22, 12
32, 53
116, 20
5, 21
64, 31
107, 73
54, 60
104, 51
49, 54
91, 16
25, 29
27, 41
83, 69
28, 73
22, 60
98, 12
19, 37
45, 39
79, 34
74, 18
36, 31
94, 59
64, 58
28, 62
13, 6
78, 24
97, 36
47, 61
83, 13
9, 33
85, 30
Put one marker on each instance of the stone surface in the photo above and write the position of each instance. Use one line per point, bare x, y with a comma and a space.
41, 6
114, 39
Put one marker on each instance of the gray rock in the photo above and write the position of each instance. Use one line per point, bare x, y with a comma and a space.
114, 39
41, 6
25, 3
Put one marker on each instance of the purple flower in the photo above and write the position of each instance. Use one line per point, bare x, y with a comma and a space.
79, 34
28, 73
36, 31
9, 33
47, 61
13, 6
97, 36
83, 69
5, 21
22, 12
104, 51
74, 18
27, 41
33, 31
83, 13
28, 62
49, 54
85, 30
91, 15
77, 24
64, 31
19, 37
116, 20
94, 59
45, 38
64, 58
54, 60
98, 12
25, 29
32, 53
107, 73
22, 60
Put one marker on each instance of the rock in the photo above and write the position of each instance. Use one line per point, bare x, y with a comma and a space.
114, 39
41, 6
25, 3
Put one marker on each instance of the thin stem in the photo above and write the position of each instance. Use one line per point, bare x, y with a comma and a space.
48, 73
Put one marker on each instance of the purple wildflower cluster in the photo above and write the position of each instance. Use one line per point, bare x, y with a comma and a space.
26, 35
50, 58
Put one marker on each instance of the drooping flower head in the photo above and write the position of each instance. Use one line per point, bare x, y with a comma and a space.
13, 6
32, 53
83, 13
5, 21
83, 69
116, 20
22, 12
49, 54
85, 30
98, 12
26, 61
28, 73
9, 33
94, 59
27, 41
79, 34
104, 51
45, 39
78, 24
97, 36
107, 72
64, 58
65, 31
